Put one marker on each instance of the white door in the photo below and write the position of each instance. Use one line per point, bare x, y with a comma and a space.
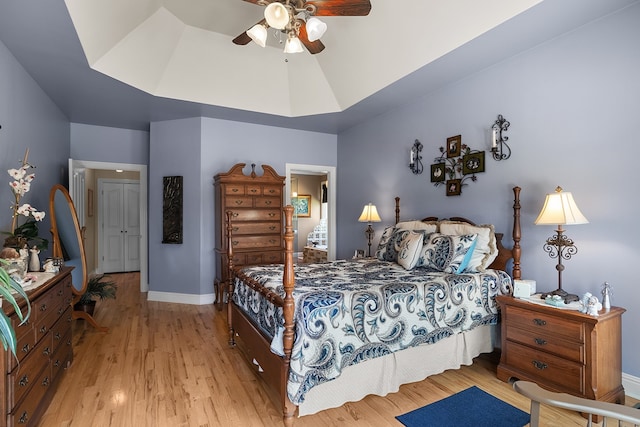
120, 205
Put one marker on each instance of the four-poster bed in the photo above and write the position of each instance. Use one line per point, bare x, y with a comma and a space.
374, 315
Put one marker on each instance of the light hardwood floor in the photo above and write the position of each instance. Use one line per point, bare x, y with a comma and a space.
167, 364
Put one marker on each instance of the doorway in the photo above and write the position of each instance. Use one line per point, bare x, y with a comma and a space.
119, 233
80, 166
330, 173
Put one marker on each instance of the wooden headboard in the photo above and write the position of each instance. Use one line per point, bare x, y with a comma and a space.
504, 254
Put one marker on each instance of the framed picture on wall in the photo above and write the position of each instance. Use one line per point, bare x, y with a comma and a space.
453, 187
438, 172
454, 144
302, 205
473, 163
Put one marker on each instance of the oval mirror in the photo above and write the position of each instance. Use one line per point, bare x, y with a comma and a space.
68, 243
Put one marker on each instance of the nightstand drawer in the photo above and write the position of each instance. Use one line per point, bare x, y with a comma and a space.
546, 342
546, 367
544, 323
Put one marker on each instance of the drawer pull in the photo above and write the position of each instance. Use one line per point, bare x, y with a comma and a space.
235, 214
43, 307
235, 242
23, 418
539, 365
236, 228
56, 364
46, 351
253, 190
25, 349
273, 227
540, 341
272, 241
539, 322
43, 330
271, 214
57, 336
272, 191
45, 382
234, 190
238, 202
24, 381
61, 310
60, 292
267, 202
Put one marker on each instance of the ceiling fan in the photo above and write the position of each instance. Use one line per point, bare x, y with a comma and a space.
297, 19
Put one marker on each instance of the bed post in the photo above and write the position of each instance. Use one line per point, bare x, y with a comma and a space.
288, 280
516, 273
232, 340
397, 210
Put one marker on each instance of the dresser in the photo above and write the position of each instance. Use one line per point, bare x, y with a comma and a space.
255, 202
44, 350
562, 350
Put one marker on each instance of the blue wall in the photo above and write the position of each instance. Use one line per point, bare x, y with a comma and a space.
198, 149
573, 104
109, 145
29, 120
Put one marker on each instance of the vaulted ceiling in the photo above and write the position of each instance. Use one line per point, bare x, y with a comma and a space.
125, 63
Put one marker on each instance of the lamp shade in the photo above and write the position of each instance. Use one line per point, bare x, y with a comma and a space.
258, 33
315, 29
560, 208
369, 214
293, 45
277, 15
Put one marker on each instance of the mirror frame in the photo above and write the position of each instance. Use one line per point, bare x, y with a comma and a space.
57, 248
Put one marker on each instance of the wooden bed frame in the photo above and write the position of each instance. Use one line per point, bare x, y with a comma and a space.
275, 369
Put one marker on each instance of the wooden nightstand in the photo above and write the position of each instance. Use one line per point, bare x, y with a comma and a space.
562, 350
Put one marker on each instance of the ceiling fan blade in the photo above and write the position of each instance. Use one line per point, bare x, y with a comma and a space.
244, 38
341, 7
312, 46
260, 2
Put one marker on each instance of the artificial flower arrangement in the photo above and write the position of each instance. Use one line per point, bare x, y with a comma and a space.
27, 233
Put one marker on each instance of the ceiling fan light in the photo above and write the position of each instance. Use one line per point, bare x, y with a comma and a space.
315, 29
258, 33
277, 15
293, 45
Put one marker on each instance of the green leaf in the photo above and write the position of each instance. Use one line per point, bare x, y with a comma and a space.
7, 334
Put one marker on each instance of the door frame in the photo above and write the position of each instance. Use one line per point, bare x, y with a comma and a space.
330, 171
75, 165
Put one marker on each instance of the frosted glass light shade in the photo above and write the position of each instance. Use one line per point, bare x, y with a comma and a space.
560, 208
293, 45
369, 214
277, 15
315, 29
258, 33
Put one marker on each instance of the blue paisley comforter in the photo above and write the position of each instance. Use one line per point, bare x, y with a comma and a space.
350, 311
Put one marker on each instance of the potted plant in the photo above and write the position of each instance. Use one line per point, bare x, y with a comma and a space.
7, 286
98, 286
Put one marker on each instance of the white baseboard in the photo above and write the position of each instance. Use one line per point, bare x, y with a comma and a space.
631, 385
174, 297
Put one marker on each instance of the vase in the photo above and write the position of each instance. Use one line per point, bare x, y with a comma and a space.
34, 261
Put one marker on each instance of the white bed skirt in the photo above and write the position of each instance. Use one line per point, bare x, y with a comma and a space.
406, 366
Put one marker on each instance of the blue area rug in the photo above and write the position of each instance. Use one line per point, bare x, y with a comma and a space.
469, 408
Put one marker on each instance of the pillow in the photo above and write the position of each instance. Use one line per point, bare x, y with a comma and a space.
486, 249
410, 248
389, 251
429, 227
384, 240
446, 253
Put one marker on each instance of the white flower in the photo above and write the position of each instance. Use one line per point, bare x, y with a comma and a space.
38, 216
17, 173
25, 209
30, 177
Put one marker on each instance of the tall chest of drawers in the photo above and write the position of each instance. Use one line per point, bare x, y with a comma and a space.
255, 202
44, 350
562, 350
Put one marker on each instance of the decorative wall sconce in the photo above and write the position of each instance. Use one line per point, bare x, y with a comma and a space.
499, 147
415, 158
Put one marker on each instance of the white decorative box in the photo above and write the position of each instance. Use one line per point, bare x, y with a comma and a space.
524, 288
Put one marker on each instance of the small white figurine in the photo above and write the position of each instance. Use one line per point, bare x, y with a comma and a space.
49, 267
584, 302
34, 261
593, 306
606, 296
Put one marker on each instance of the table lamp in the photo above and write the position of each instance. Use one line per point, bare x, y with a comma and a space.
369, 214
560, 208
